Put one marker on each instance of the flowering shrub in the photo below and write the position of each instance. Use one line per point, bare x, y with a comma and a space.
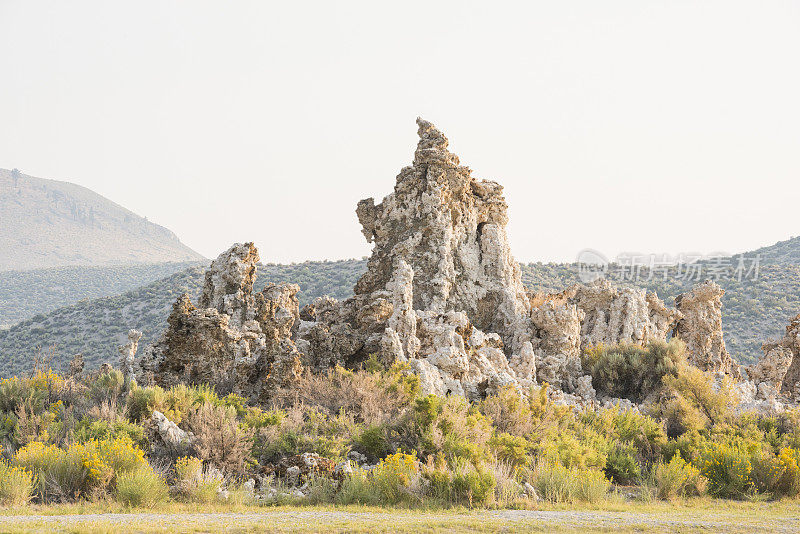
727, 468
678, 478
82, 468
16, 485
779, 474
394, 475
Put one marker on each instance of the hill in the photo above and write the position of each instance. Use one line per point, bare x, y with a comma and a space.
754, 310
47, 223
24, 294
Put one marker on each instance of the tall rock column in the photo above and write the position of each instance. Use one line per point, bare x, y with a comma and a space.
701, 329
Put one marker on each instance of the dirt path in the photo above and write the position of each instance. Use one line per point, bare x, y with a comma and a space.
401, 521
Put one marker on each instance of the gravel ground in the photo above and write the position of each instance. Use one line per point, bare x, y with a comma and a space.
506, 520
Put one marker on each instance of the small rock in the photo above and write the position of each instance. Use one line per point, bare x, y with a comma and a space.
293, 475
343, 468
530, 491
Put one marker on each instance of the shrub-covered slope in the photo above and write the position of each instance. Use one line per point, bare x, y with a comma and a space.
24, 294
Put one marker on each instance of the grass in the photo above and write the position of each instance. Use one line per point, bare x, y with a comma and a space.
612, 515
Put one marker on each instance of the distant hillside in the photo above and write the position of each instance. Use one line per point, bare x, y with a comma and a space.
24, 294
754, 310
781, 253
46, 223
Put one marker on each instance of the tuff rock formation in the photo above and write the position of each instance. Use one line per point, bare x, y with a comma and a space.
442, 293
235, 340
700, 327
621, 314
442, 290
128, 354
778, 371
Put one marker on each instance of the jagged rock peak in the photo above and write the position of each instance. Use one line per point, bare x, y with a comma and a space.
449, 228
229, 281
432, 145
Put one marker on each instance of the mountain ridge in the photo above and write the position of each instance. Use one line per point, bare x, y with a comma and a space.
51, 223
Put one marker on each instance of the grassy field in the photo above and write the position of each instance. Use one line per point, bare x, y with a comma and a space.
695, 515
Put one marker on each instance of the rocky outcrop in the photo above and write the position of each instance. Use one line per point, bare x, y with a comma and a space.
700, 328
236, 341
778, 371
621, 314
442, 293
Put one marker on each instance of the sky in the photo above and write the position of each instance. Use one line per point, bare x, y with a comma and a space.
622, 126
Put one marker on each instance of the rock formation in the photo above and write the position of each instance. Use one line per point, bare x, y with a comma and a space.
128, 354
621, 314
442, 290
442, 293
778, 371
237, 341
555, 340
700, 327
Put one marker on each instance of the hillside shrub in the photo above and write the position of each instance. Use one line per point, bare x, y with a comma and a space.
219, 439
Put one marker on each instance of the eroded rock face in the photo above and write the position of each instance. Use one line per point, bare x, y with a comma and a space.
621, 314
778, 371
449, 229
700, 327
240, 343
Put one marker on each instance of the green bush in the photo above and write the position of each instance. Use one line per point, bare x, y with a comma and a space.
141, 488
511, 449
472, 485
88, 429
556, 483
621, 465
633, 372
698, 402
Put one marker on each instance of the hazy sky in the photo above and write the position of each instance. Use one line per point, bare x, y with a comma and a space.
623, 126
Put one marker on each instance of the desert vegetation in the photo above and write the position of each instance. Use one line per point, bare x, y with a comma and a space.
369, 437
